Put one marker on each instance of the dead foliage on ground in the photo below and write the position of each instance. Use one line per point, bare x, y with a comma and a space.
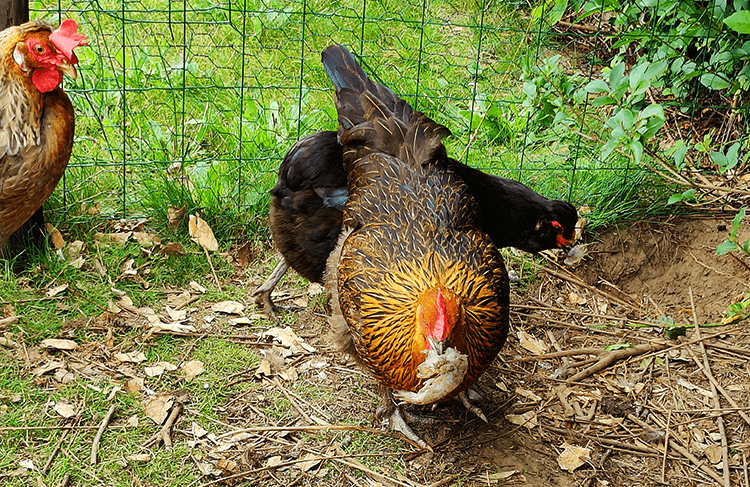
589, 390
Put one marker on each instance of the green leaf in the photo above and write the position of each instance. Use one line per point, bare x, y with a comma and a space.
618, 346
653, 110
714, 82
597, 86
725, 247
737, 220
603, 100
674, 199
637, 148
739, 21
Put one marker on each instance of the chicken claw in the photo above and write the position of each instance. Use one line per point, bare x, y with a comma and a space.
464, 397
398, 423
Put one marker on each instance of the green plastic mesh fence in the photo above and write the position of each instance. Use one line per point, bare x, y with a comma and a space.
194, 103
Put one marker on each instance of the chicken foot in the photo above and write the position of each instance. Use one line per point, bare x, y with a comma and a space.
263, 292
397, 418
465, 398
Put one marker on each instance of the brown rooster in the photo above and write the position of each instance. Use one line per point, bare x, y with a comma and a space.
36, 116
418, 292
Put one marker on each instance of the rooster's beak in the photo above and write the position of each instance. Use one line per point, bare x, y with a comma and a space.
67, 69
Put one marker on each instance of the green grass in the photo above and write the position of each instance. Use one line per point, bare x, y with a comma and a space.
196, 108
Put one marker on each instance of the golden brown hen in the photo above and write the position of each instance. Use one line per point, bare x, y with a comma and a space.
419, 293
36, 116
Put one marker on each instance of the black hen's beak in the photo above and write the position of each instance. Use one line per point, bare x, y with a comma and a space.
562, 242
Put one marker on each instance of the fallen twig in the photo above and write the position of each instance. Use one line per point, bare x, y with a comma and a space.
51, 458
717, 402
613, 356
99, 433
165, 433
318, 458
213, 271
65, 480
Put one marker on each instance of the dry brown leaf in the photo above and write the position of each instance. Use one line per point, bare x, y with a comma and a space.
65, 409
74, 250
573, 457
132, 421
714, 453
273, 461
197, 430
118, 237
157, 407
533, 345
202, 234
176, 314
139, 457
228, 307
197, 287
48, 367
134, 384
192, 369
172, 249
59, 344
245, 255
287, 338
527, 419
146, 239
56, 290
175, 216
306, 465
134, 357
58, 242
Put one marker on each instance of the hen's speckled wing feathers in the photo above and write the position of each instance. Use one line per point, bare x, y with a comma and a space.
410, 225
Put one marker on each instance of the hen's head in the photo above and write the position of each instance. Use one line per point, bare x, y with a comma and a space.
45, 55
438, 313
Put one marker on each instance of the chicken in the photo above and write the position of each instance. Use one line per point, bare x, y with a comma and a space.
419, 293
308, 199
36, 116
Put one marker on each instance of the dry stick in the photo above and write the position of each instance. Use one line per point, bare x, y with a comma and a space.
666, 449
99, 433
65, 480
291, 400
698, 463
567, 324
213, 271
584, 313
51, 458
165, 433
318, 458
561, 354
571, 278
615, 355
604, 441
683, 344
736, 407
9, 320
60, 427
744, 468
714, 392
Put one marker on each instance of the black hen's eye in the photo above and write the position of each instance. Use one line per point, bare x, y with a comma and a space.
39, 49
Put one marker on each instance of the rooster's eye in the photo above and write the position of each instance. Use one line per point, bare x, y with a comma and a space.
39, 49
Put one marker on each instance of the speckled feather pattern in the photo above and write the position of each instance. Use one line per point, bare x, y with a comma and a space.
409, 225
36, 135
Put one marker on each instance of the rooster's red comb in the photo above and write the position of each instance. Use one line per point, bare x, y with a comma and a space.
65, 38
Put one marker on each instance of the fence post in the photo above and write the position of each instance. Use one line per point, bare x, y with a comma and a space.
15, 12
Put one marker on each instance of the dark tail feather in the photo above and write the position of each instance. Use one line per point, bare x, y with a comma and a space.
372, 118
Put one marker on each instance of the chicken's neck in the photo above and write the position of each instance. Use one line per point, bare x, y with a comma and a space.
20, 113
